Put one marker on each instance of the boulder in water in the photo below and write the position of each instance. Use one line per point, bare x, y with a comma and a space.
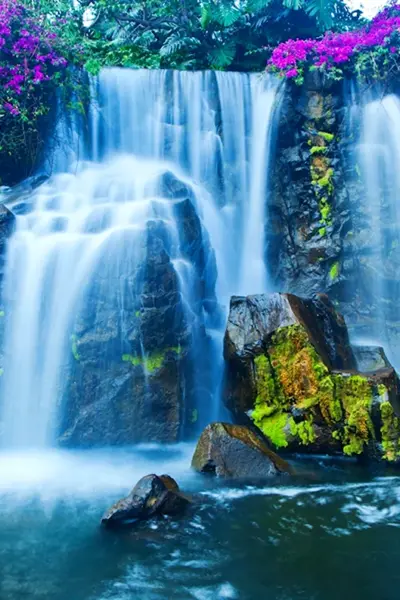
290, 368
152, 495
234, 451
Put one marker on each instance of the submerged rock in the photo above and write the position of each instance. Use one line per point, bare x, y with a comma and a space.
152, 495
235, 451
290, 368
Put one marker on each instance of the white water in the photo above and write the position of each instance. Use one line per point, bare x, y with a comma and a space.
380, 172
213, 132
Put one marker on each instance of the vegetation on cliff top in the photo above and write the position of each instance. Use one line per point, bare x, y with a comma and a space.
371, 51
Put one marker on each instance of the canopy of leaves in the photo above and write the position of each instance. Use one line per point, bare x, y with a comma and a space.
197, 34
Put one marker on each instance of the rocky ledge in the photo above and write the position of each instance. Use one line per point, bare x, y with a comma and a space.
292, 371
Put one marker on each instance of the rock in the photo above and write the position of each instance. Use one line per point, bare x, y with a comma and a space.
370, 358
139, 350
7, 224
289, 382
152, 495
234, 451
252, 321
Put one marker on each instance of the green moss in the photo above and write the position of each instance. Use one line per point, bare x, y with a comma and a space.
334, 271
137, 314
306, 433
292, 375
355, 394
273, 427
322, 231
326, 180
74, 347
382, 390
390, 432
318, 149
328, 137
269, 392
303, 430
325, 210
195, 416
153, 361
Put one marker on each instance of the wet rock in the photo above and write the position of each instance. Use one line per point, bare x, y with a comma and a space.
133, 376
151, 496
253, 319
283, 355
7, 224
370, 358
234, 451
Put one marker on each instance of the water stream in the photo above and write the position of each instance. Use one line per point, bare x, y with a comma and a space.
85, 230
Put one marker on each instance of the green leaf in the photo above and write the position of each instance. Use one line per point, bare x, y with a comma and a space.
222, 57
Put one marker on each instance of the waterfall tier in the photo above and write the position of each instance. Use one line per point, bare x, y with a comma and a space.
122, 264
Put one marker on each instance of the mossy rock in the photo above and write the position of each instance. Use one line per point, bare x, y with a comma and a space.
302, 403
234, 451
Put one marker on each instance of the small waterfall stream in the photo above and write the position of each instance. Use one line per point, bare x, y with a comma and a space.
84, 233
379, 156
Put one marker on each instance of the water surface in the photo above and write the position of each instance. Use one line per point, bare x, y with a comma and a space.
331, 533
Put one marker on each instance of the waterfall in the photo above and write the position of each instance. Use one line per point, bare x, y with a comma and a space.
174, 165
379, 156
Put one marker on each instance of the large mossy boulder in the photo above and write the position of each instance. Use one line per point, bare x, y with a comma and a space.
291, 369
234, 451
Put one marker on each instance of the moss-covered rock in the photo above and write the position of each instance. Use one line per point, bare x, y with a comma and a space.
234, 451
299, 399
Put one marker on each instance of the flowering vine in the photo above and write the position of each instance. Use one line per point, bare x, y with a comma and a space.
34, 57
366, 50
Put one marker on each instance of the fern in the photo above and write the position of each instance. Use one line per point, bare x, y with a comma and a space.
222, 57
175, 44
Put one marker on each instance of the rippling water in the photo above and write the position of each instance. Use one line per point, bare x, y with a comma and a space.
331, 533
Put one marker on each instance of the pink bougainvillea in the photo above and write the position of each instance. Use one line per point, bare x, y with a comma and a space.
336, 50
29, 56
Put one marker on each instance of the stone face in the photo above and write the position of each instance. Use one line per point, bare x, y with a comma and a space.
136, 366
298, 381
234, 451
152, 495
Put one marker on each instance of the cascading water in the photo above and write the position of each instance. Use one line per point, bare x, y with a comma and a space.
174, 171
379, 155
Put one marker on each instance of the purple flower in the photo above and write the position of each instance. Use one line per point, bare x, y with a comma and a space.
292, 73
337, 48
11, 109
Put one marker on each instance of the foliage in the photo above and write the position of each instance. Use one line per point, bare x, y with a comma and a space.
371, 51
197, 34
33, 61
